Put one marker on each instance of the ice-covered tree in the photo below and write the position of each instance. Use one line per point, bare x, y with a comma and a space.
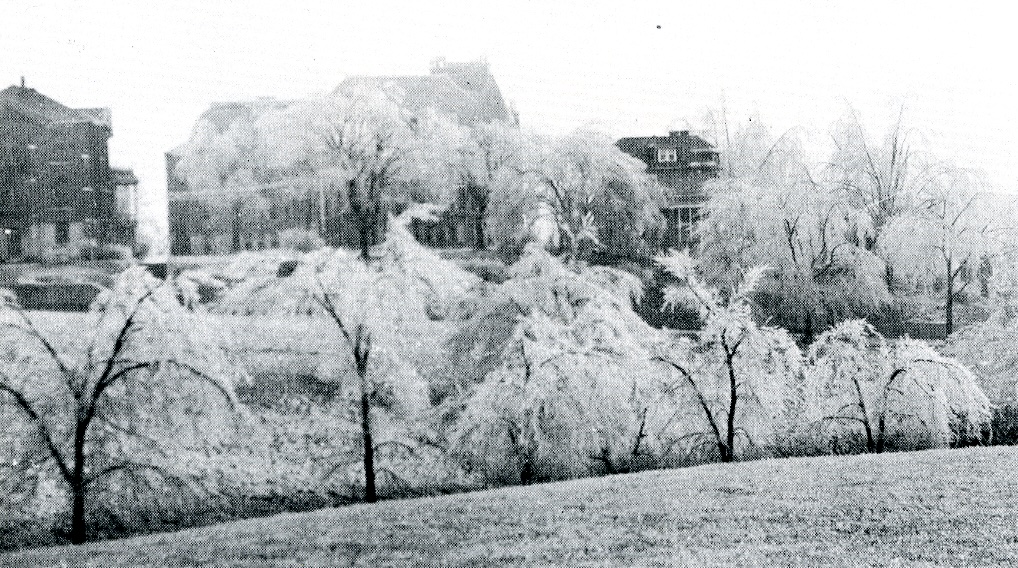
954, 229
734, 380
228, 163
856, 379
366, 152
587, 195
879, 181
379, 311
773, 210
551, 376
486, 157
114, 413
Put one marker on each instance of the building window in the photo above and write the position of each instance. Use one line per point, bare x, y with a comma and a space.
667, 154
63, 232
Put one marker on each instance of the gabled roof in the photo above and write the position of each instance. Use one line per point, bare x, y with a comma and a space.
466, 91
685, 140
35, 105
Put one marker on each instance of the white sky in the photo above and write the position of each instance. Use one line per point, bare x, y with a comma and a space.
628, 70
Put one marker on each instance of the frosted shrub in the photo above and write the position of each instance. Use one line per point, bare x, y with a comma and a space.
858, 382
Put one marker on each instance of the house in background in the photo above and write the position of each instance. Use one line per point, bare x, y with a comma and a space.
225, 220
682, 163
57, 190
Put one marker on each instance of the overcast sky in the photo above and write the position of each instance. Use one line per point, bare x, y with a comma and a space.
630, 69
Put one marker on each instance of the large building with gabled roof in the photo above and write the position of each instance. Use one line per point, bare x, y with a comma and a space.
57, 190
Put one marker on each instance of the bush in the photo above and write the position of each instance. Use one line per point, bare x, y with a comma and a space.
300, 239
1004, 425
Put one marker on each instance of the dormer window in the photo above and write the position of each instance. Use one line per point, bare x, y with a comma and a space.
667, 154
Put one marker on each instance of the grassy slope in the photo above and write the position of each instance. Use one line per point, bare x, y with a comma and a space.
937, 508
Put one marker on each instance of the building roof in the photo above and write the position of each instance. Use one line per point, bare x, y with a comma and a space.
221, 115
124, 176
683, 139
466, 91
34, 104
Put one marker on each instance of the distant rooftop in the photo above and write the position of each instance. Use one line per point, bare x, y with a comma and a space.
124, 176
465, 90
33, 104
676, 138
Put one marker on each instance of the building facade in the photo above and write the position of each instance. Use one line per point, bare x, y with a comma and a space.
252, 216
57, 190
682, 163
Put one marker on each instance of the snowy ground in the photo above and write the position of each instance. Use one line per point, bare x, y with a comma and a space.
936, 508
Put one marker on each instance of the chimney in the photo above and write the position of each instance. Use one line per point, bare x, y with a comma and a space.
22, 81
679, 134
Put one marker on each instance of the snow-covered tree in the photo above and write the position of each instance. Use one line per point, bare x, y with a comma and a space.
365, 151
551, 376
857, 379
379, 311
944, 240
734, 380
488, 155
587, 195
228, 163
776, 212
880, 182
114, 411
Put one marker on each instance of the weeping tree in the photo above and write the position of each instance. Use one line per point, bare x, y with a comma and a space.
734, 381
581, 195
487, 157
551, 376
856, 379
365, 153
379, 309
955, 229
116, 411
774, 207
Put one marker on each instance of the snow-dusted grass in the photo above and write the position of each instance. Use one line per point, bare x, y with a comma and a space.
934, 508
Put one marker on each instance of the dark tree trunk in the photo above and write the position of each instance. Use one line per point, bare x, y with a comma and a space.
235, 224
364, 235
527, 472
728, 448
879, 448
370, 494
949, 307
480, 238
362, 354
79, 532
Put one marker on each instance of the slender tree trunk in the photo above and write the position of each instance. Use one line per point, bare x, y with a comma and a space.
871, 446
364, 234
370, 494
880, 435
949, 308
480, 238
79, 532
728, 450
235, 225
362, 353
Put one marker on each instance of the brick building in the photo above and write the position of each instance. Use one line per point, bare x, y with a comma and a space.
251, 217
682, 162
57, 190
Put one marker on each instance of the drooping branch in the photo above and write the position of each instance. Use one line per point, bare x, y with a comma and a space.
37, 419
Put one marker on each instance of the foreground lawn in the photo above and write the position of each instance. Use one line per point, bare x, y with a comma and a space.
937, 508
